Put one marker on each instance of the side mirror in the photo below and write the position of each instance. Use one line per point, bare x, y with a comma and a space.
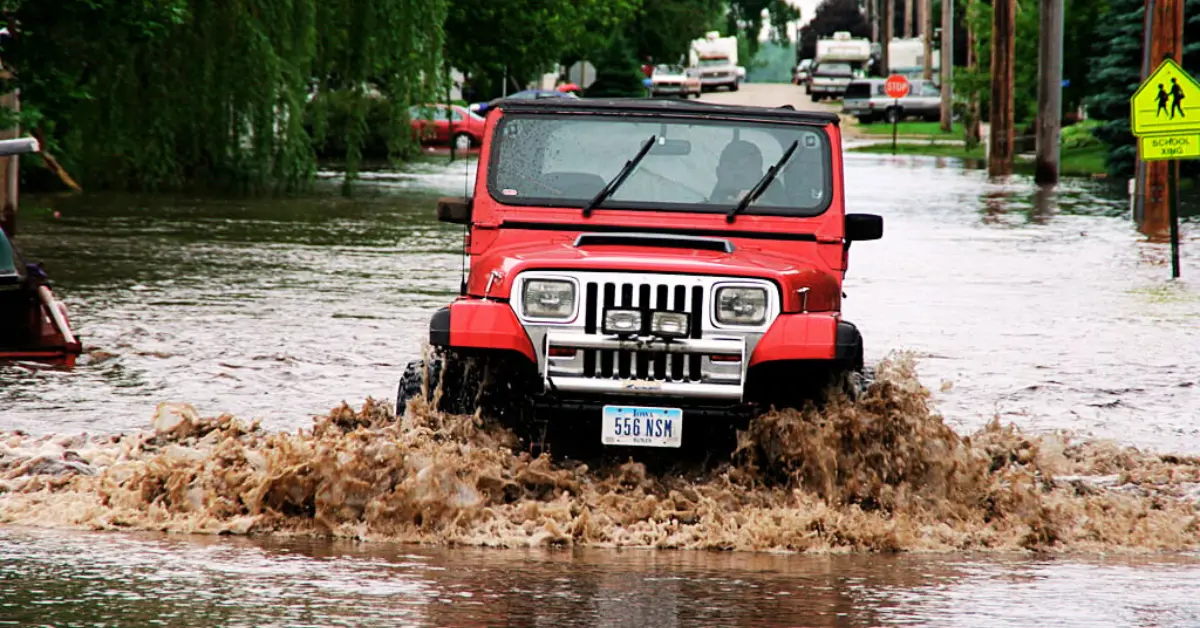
863, 227
454, 210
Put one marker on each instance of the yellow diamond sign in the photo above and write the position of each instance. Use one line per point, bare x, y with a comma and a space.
1166, 103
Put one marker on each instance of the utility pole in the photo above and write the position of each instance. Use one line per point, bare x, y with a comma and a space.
1164, 39
1049, 107
1000, 138
927, 36
873, 19
947, 51
888, 13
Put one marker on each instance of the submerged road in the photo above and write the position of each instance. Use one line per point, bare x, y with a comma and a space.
1043, 309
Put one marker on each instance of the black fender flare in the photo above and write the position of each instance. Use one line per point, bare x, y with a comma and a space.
439, 328
849, 348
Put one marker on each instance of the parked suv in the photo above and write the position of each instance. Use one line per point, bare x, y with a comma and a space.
861, 97
645, 268
829, 79
867, 100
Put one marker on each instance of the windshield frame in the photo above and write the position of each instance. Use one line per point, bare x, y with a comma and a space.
755, 209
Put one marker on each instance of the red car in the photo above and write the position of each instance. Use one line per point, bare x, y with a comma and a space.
652, 270
438, 124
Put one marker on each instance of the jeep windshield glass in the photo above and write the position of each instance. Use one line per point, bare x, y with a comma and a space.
694, 165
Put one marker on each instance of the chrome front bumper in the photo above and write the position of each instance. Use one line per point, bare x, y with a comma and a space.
720, 381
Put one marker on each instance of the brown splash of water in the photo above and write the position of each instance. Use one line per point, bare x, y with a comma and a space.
880, 474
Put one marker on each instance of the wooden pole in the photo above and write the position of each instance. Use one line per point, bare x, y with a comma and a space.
9, 166
947, 51
888, 13
1000, 138
1165, 32
927, 37
1049, 115
873, 18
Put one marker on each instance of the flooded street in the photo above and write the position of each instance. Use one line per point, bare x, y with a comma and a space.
132, 580
1051, 312
1044, 310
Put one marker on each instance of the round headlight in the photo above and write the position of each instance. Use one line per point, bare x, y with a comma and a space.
741, 306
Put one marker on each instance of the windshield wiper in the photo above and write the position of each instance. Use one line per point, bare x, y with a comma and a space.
762, 184
611, 187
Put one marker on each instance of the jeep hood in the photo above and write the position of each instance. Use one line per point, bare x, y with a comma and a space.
744, 261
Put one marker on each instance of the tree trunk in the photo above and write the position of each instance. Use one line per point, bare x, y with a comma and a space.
908, 18
947, 62
971, 123
927, 37
9, 166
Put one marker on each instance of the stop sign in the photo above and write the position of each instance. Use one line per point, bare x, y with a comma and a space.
896, 86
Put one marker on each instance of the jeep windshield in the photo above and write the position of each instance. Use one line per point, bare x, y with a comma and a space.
695, 165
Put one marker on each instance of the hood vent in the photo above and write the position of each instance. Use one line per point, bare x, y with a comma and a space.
654, 239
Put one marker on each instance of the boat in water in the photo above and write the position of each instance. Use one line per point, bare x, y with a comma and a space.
34, 326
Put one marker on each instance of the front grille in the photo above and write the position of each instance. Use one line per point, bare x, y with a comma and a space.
647, 298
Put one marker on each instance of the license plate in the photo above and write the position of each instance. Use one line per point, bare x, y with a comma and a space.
642, 427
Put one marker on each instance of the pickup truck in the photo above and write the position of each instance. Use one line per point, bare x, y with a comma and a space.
829, 80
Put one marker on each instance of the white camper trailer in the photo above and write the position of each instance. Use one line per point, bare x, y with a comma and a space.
715, 59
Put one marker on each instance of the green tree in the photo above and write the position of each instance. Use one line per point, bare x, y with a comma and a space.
664, 29
830, 17
172, 93
1082, 18
745, 18
518, 40
1117, 68
617, 71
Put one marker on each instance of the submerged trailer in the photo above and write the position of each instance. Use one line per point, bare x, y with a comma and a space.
34, 326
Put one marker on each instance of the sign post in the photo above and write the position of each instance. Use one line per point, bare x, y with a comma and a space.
896, 87
1159, 118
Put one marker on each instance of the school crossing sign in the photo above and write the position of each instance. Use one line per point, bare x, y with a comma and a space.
1165, 114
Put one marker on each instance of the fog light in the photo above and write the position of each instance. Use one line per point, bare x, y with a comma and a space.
622, 322
669, 324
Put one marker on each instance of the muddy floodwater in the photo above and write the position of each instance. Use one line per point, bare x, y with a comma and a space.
1046, 311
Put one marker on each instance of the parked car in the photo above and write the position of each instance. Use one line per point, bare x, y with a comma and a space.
802, 73
867, 100
439, 124
674, 80
482, 107
829, 80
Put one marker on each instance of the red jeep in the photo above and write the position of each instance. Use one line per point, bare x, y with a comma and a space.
652, 264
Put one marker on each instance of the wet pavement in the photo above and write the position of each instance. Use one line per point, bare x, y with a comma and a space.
1047, 310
